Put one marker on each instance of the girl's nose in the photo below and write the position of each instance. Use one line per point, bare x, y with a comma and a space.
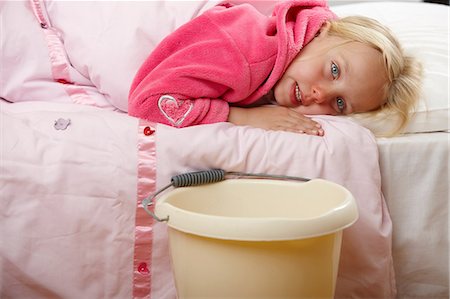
320, 94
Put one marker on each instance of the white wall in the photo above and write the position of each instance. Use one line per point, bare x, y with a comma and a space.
338, 2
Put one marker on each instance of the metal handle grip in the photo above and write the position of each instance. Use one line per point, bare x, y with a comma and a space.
206, 177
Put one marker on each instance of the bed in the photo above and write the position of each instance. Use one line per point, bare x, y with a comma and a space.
75, 167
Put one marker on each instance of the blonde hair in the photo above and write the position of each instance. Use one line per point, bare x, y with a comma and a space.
404, 72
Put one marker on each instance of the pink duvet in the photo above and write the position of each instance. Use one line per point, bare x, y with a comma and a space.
71, 225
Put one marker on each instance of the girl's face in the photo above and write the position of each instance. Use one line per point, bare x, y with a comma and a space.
333, 76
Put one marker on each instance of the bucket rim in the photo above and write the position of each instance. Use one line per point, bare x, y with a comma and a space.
260, 228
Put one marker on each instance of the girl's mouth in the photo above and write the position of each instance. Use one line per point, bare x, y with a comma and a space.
298, 94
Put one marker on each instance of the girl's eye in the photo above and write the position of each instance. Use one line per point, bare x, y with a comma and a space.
334, 70
340, 104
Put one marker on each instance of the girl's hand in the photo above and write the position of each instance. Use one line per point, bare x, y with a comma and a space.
275, 118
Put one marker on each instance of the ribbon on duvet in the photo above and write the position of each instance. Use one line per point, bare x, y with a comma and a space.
146, 184
58, 58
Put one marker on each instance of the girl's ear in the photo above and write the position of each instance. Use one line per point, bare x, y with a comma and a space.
324, 29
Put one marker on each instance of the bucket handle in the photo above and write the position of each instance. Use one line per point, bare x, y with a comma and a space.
207, 177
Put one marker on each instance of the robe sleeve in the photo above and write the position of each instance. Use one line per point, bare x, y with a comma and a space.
196, 72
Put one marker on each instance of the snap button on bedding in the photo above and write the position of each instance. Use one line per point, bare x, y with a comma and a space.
63, 81
143, 269
148, 131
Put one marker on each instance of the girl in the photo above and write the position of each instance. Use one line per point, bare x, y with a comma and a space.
227, 63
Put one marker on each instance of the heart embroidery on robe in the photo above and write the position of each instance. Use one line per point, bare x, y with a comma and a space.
175, 111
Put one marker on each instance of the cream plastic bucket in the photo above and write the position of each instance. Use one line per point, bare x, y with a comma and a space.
247, 238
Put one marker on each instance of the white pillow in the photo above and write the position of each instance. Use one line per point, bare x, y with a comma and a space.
422, 28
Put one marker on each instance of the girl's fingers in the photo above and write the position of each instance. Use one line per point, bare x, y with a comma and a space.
299, 126
306, 121
303, 124
284, 119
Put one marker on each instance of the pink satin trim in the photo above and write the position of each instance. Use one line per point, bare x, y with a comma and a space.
59, 60
142, 271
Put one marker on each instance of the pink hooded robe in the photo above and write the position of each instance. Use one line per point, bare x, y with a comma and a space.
228, 55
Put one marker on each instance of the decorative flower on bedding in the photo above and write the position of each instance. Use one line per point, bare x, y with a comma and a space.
61, 123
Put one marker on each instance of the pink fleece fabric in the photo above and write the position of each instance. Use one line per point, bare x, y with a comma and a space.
228, 55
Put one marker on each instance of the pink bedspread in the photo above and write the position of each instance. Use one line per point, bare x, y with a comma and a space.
71, 225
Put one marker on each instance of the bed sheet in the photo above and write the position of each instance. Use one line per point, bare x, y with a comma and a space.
415, 182
71, 197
